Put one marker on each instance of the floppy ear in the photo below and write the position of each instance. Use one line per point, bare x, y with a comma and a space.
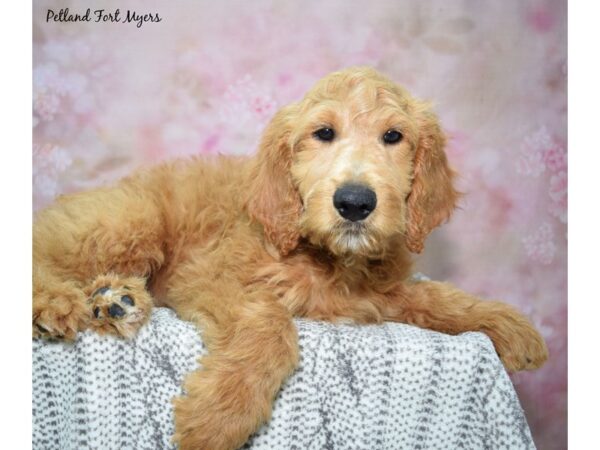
433, 197
272, 199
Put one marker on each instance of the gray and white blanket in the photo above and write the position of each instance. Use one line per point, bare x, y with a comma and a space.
389, 386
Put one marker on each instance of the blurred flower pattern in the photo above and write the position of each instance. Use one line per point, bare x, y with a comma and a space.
111, 97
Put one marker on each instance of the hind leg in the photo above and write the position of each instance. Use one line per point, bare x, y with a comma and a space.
80, 239
111, 304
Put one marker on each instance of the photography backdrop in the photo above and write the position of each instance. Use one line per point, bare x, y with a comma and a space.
111, 96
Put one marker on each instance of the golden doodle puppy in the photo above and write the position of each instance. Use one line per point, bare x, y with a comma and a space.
319, 224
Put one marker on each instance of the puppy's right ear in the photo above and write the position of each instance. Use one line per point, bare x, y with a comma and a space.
272, 198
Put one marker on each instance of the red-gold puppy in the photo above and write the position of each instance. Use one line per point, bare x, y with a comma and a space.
319, 224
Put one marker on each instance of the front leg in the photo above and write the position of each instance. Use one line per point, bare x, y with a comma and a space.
253, 348
441, 307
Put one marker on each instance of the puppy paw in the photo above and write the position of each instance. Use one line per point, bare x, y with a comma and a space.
518, 344
220, 411
529, 354
59, 311
200, 426
119, 306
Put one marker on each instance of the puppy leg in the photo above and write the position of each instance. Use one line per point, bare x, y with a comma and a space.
109, 305
441, 307
253, 348
115, 230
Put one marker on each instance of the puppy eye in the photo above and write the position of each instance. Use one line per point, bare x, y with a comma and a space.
324, 134
392, 137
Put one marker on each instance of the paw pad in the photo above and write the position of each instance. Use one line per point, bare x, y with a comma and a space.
127, 300
109, 303
103, 290
116, 311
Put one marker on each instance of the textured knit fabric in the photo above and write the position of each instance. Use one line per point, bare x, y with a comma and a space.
389, 386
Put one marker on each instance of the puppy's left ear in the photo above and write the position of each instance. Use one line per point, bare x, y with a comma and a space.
272, 198
433, 197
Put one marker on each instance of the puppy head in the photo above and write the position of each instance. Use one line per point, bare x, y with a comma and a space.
355, 165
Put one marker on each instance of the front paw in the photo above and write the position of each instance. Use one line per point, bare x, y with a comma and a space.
202, 425
519, 345
220, 411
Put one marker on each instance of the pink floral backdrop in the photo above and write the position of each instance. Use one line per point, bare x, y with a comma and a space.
109, 97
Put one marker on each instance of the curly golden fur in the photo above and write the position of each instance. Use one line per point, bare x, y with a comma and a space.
240, 246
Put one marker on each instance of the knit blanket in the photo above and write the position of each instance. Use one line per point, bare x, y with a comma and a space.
389, 386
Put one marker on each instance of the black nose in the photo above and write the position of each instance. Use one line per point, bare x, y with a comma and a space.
354, 201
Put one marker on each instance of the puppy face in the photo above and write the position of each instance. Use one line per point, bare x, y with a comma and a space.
353, 149
356, 166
